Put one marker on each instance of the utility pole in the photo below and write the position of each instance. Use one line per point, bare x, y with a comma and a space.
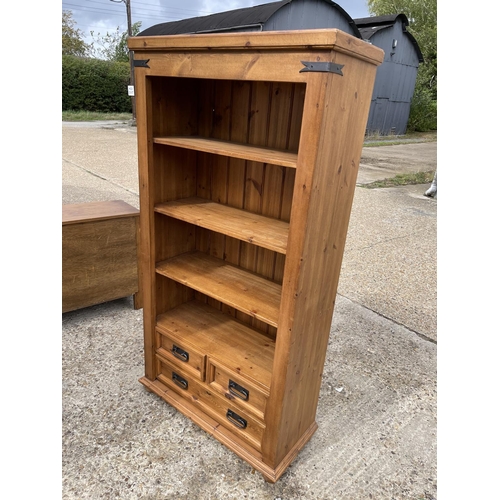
130, 53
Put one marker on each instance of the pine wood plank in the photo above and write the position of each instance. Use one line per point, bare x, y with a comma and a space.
220, 128
258, 133
205, 118
173, 237
231, 149
240, 95
278, 135
324, 189
235, 287
300, 40
145, 122
175, 174
240, 224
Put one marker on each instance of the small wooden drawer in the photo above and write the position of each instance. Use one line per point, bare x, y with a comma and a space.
181, 355
218, 407
237, 389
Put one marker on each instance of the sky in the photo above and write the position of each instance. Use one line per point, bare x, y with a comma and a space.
102, 16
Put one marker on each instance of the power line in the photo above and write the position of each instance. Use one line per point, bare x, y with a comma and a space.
141, 14
137, 17
138, 12
156, 8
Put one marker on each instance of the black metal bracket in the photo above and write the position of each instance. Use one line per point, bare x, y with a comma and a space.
322, 67
141, 63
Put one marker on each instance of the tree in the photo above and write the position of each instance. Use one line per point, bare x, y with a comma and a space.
113, 46
72, 37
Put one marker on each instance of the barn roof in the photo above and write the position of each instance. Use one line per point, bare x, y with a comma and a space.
368, 26
248, 17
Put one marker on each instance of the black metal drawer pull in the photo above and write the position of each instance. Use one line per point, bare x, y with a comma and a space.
181, 382
235, 419
180, 353
238, 390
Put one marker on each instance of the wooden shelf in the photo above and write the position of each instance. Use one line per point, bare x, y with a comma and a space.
237, 346
234, 150
245, 291
240, 224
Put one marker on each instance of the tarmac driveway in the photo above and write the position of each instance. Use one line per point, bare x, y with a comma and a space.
378, 406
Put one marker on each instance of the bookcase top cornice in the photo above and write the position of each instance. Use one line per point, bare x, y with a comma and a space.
296, 40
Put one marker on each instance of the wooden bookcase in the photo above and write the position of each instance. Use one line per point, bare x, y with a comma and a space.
249, 147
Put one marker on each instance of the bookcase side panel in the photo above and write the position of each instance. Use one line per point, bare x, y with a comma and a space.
338, 108
144, 117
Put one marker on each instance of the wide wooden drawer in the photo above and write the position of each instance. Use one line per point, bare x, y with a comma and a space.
181, 354
238, 389
219, 408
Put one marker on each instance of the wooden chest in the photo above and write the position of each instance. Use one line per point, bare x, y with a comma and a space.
99, 253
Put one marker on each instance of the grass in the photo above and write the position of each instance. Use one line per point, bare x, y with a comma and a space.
374, 140
90, 116
403, 180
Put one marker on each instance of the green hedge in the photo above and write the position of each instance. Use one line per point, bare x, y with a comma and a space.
95, 85
423, 111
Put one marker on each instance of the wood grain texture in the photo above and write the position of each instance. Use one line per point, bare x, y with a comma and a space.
99, 254
301, 40
147, 121
168, 347
242, 225
220, 378
337, 110
232, 149
234, 286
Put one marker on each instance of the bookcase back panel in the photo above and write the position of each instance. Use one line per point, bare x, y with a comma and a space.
174, 106
173, 237
175, 173
256, 187
260, 188
170, 294
260, 113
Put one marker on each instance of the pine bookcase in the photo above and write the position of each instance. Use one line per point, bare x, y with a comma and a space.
248, 148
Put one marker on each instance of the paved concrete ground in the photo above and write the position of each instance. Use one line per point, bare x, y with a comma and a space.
377, 407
